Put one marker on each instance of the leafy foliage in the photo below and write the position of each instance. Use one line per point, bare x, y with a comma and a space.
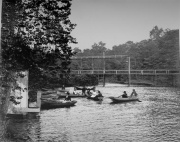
85, 80
36, 37
160, 51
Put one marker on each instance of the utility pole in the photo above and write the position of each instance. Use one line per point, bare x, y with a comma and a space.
104, 68
129, 71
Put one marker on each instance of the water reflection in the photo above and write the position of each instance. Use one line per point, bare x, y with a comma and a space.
22, 129
3, 123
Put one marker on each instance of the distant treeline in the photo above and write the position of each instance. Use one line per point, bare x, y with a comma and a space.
160, 51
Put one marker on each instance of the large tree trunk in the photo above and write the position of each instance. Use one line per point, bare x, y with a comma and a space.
4, 98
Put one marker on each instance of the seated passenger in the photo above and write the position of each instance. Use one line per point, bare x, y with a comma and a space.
133, 93
94, 93
124, 95
67, 98
89, 93
99, 94
75, 91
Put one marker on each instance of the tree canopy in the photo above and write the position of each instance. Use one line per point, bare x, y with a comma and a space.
36, 36
160, 51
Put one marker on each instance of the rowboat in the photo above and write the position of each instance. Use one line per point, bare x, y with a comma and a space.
47, 104
96, 98
63, 94
121, 100
72, 96
48, 92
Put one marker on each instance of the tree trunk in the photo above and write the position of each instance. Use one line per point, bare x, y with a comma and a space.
4, 97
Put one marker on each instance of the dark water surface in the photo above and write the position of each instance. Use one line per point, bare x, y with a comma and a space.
155, 119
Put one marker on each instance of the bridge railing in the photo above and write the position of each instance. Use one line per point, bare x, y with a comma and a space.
141, 72
98, 57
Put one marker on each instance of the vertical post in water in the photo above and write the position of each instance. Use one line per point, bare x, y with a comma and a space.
104, 68
129, 71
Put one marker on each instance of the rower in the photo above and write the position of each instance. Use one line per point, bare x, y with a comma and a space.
124, 95
67, 98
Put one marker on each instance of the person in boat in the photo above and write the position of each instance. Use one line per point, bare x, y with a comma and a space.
63, 87
99, 94
124, 95
84, 89
75, 91
67, 98
134, 93
89, 93
94, 93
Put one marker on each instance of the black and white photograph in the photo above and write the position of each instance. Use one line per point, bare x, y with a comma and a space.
89, 71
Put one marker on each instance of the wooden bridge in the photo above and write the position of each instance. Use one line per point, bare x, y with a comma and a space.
129, 71
154, 73
140, 72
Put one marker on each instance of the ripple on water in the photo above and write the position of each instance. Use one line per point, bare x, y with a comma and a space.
156, 118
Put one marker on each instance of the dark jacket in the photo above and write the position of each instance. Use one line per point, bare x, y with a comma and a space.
124, 95
67, 98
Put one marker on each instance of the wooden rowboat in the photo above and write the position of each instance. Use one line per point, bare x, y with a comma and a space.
121, 100
62, 94
72, 96
47, 104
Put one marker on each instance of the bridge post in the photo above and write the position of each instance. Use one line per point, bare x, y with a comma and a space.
92, 63
104, 80
155, 78
129, 71
104, 67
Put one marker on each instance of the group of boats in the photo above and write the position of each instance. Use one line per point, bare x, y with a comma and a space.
49, 100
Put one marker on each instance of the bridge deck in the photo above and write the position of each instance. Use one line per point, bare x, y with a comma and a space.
99, 57
141, 72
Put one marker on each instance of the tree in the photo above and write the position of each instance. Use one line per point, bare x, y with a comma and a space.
156, 33
168, 49
98, 48
40, 37
36, 37
77, 50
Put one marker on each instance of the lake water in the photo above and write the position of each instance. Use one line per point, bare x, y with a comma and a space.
155, 119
